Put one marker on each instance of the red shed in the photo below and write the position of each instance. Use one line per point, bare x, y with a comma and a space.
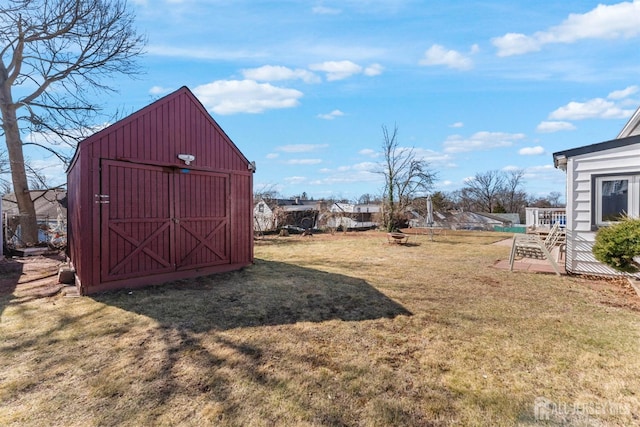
161, 195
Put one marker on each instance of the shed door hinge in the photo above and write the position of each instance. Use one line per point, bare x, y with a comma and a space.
102, 198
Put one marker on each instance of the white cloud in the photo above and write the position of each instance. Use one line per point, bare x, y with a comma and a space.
273, 155
359, 172
456, 125
545, 174
332, 115
363, 167
480, 141
541, 170
596, 108
624, 93
159, 90
337, 70
206, 53
304, 161
369, 152
515, 44
277, 73
554, 126
373, 70
301, 148
531, 151
433, 157
438, 55
295, 179
51, 169
614, 21
322, 10
245, 96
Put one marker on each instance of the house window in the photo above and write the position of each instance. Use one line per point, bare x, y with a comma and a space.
261, 208
616, 196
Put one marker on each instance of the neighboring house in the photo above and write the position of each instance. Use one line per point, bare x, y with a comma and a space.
51, 214
354, 216
161, 195
508, 219
264, 218
461, 220
417, 220
269, 215
603, 183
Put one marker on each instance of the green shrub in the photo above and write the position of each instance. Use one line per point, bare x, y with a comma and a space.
618, 244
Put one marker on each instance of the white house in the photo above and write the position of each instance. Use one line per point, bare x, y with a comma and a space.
354, 216
603, 183
263, 216
268, 215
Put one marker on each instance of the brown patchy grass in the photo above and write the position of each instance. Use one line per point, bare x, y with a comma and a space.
343, 330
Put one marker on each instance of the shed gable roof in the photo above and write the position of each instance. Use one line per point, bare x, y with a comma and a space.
182, 95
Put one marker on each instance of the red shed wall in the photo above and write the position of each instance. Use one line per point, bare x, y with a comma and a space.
242, 225
154, 136
79, 242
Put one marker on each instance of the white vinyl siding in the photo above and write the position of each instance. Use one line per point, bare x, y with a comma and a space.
585, 174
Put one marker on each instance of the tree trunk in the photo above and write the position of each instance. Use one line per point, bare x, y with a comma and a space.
28, 222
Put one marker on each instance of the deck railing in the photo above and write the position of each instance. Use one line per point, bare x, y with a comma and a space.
544, 218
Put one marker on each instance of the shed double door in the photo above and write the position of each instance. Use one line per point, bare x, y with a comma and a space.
157, 220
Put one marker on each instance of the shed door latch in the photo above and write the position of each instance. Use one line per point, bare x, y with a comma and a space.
102, 198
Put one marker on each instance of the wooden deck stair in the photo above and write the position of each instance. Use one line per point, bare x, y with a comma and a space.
533, 246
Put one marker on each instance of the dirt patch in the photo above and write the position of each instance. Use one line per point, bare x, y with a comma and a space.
613, 291
30, 276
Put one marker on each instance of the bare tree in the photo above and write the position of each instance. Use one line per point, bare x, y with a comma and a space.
550, 201
4, 169
485, 189
405, 177
54, 55
366, 199
514, 198
266, 192
554, 198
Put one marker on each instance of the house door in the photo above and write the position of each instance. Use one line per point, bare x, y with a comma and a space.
156, 220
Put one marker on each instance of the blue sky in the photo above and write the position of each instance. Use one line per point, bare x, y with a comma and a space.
304, 87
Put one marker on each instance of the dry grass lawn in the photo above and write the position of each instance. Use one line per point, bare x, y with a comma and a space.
343, 330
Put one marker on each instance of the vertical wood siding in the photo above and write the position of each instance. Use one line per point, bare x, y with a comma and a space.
164, 220
202, 219
242, 223
77, 191
137, 226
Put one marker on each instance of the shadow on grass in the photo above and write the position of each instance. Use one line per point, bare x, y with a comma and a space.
10, 272
266, 293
